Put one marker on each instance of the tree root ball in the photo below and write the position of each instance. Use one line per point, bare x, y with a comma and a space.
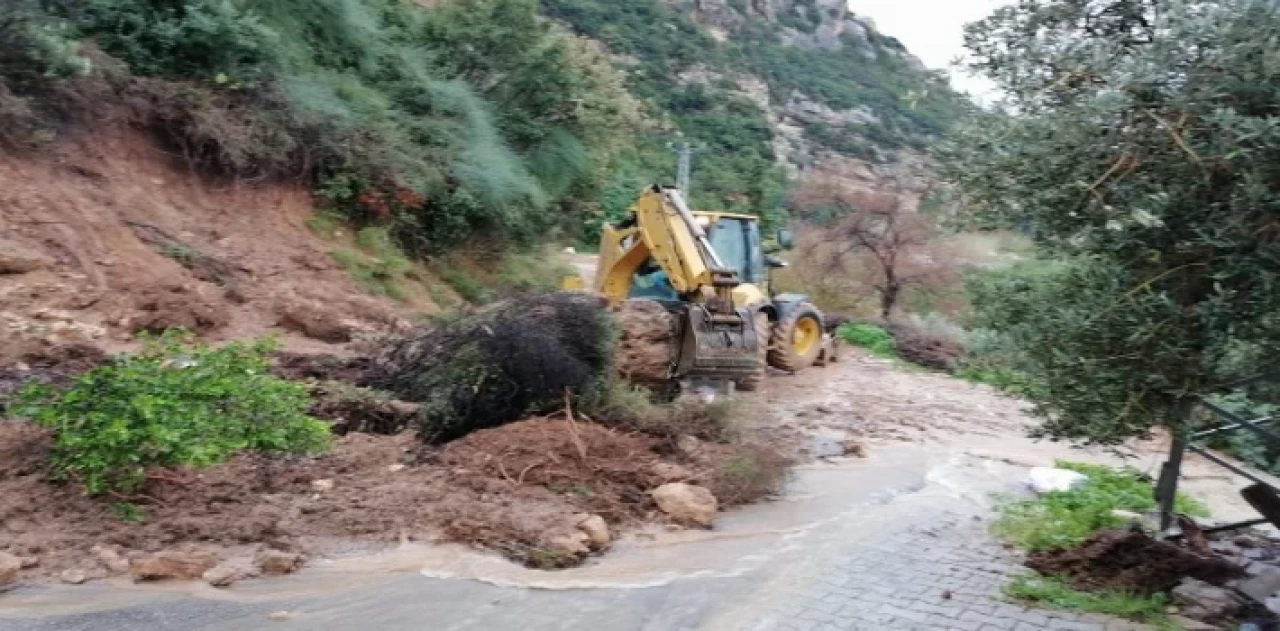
519, 358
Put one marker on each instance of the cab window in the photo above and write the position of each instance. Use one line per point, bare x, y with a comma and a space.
737, 241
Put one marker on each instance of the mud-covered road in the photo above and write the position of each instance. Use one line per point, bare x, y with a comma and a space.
896, 540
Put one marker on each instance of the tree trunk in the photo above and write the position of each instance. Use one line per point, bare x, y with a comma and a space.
889, 300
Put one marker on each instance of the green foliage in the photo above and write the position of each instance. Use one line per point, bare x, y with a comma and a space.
177, 403
467, 286
474, 116
996, 376
1047, 591
1067, 518
1145, 154
873, 338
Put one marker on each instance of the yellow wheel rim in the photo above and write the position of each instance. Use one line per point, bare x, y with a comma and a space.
807, 335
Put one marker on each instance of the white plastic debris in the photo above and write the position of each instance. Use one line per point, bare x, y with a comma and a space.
1047, 480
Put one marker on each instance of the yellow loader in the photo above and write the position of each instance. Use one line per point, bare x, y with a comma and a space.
710, 272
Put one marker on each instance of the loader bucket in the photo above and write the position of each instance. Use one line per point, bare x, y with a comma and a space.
717, 347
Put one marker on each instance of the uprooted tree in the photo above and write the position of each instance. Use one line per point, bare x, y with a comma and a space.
1141, 142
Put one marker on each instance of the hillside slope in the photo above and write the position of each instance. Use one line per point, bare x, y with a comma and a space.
829, 96
104, 237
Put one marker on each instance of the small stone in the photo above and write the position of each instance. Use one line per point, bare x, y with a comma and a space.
9, 566
110, 559
278, 561
1246, 541
73, 576
229, 572
395, 468
574, 545
280, 616
597, 531
668, 472
690, 446
322, 486
687, 503
822, 409
29, 562
854, 449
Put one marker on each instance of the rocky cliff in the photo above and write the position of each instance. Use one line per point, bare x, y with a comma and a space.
816, 138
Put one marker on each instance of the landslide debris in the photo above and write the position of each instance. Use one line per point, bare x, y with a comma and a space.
523, 357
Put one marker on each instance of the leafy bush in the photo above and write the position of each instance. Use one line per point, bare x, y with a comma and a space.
1158, 219
177, 403
1067, 518
1053, 592
873, 338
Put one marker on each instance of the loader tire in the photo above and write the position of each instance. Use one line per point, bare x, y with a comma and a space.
797, 340
755, 380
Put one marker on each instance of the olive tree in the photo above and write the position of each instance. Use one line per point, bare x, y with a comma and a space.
1140, 139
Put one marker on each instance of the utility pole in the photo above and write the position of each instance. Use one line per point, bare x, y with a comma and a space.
684, 168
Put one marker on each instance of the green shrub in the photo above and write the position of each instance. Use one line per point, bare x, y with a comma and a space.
873, 338
467, 286
177, 403
1067, 518
1053, 592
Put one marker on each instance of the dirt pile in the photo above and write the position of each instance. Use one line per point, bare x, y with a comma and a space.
1131, 561
598, 469
105, 235
527, 489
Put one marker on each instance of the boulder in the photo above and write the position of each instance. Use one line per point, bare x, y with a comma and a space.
315, 322
9, 566
597, 531
570, 545
110, 559
74, 576
687, 503
278, 561
172, 564
228, 572
18, 258
1201, 601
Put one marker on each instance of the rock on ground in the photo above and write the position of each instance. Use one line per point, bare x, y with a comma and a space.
278, 561
172, 564
74, 576
1201, 601
597, 531
687, 503
228, 572
110, 559
9, 567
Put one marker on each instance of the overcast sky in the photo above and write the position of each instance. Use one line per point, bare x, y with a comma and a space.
932, 30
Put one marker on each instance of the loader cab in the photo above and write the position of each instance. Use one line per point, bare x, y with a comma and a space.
736, 238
